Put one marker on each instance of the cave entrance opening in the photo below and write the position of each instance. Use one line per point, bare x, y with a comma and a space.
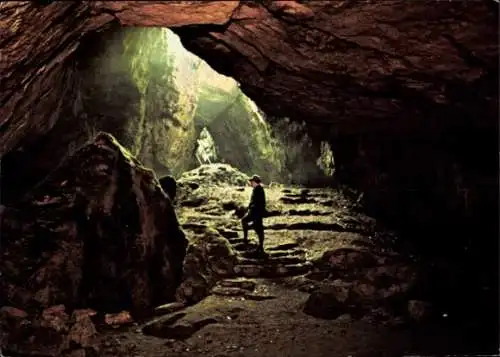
175, 113
172, 111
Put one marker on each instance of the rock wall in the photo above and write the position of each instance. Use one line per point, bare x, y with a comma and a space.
131, 90
282, 152
126, 83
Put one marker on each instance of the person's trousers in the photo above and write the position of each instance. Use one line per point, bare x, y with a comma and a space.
257, 224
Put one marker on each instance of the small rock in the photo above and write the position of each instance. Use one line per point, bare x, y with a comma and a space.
178, 327
418, 310
121, 318
365, 292
344, 318
251, 271
379, 315
239, 283
169, 308
83, 331
55, 317
329, 302
209, 258
10, 312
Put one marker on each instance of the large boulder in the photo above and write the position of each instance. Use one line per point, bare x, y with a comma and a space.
209, 258
215, 174
99, 231
356, 281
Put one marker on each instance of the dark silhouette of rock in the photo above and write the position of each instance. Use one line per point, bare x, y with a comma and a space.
97, 232
169, 185
215, 174
361, 282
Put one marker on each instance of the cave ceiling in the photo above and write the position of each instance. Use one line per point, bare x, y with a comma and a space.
353, 66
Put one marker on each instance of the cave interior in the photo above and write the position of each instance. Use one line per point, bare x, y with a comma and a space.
404, 95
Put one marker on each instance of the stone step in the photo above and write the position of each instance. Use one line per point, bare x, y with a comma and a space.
242, 283
195, 227
240, 245
237, 241
306, 212
272, 271
227, 233
274, 253
249, 295
271, 260
169, 308
313, 226
286, 246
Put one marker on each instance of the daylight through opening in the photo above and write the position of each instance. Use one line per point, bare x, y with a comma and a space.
176, 114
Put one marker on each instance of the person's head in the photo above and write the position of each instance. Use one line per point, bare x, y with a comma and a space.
254, 180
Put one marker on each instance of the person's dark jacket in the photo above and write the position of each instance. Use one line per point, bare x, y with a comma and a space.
257, 206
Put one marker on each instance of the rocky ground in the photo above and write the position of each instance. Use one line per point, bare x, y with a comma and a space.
330, 284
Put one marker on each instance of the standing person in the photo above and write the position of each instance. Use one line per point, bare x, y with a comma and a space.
256, 212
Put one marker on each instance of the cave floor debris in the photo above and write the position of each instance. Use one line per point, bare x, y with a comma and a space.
259, 311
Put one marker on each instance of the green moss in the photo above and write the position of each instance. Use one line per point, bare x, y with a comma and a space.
245, 139
155, 98
132, 91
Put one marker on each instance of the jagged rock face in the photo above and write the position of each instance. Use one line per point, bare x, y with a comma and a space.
131, 90
215, 174
37, 53
125, 83
383, 82
98, 232
209, 258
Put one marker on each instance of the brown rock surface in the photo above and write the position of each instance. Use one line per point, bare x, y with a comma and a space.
99, 231
378, 60
209, 258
